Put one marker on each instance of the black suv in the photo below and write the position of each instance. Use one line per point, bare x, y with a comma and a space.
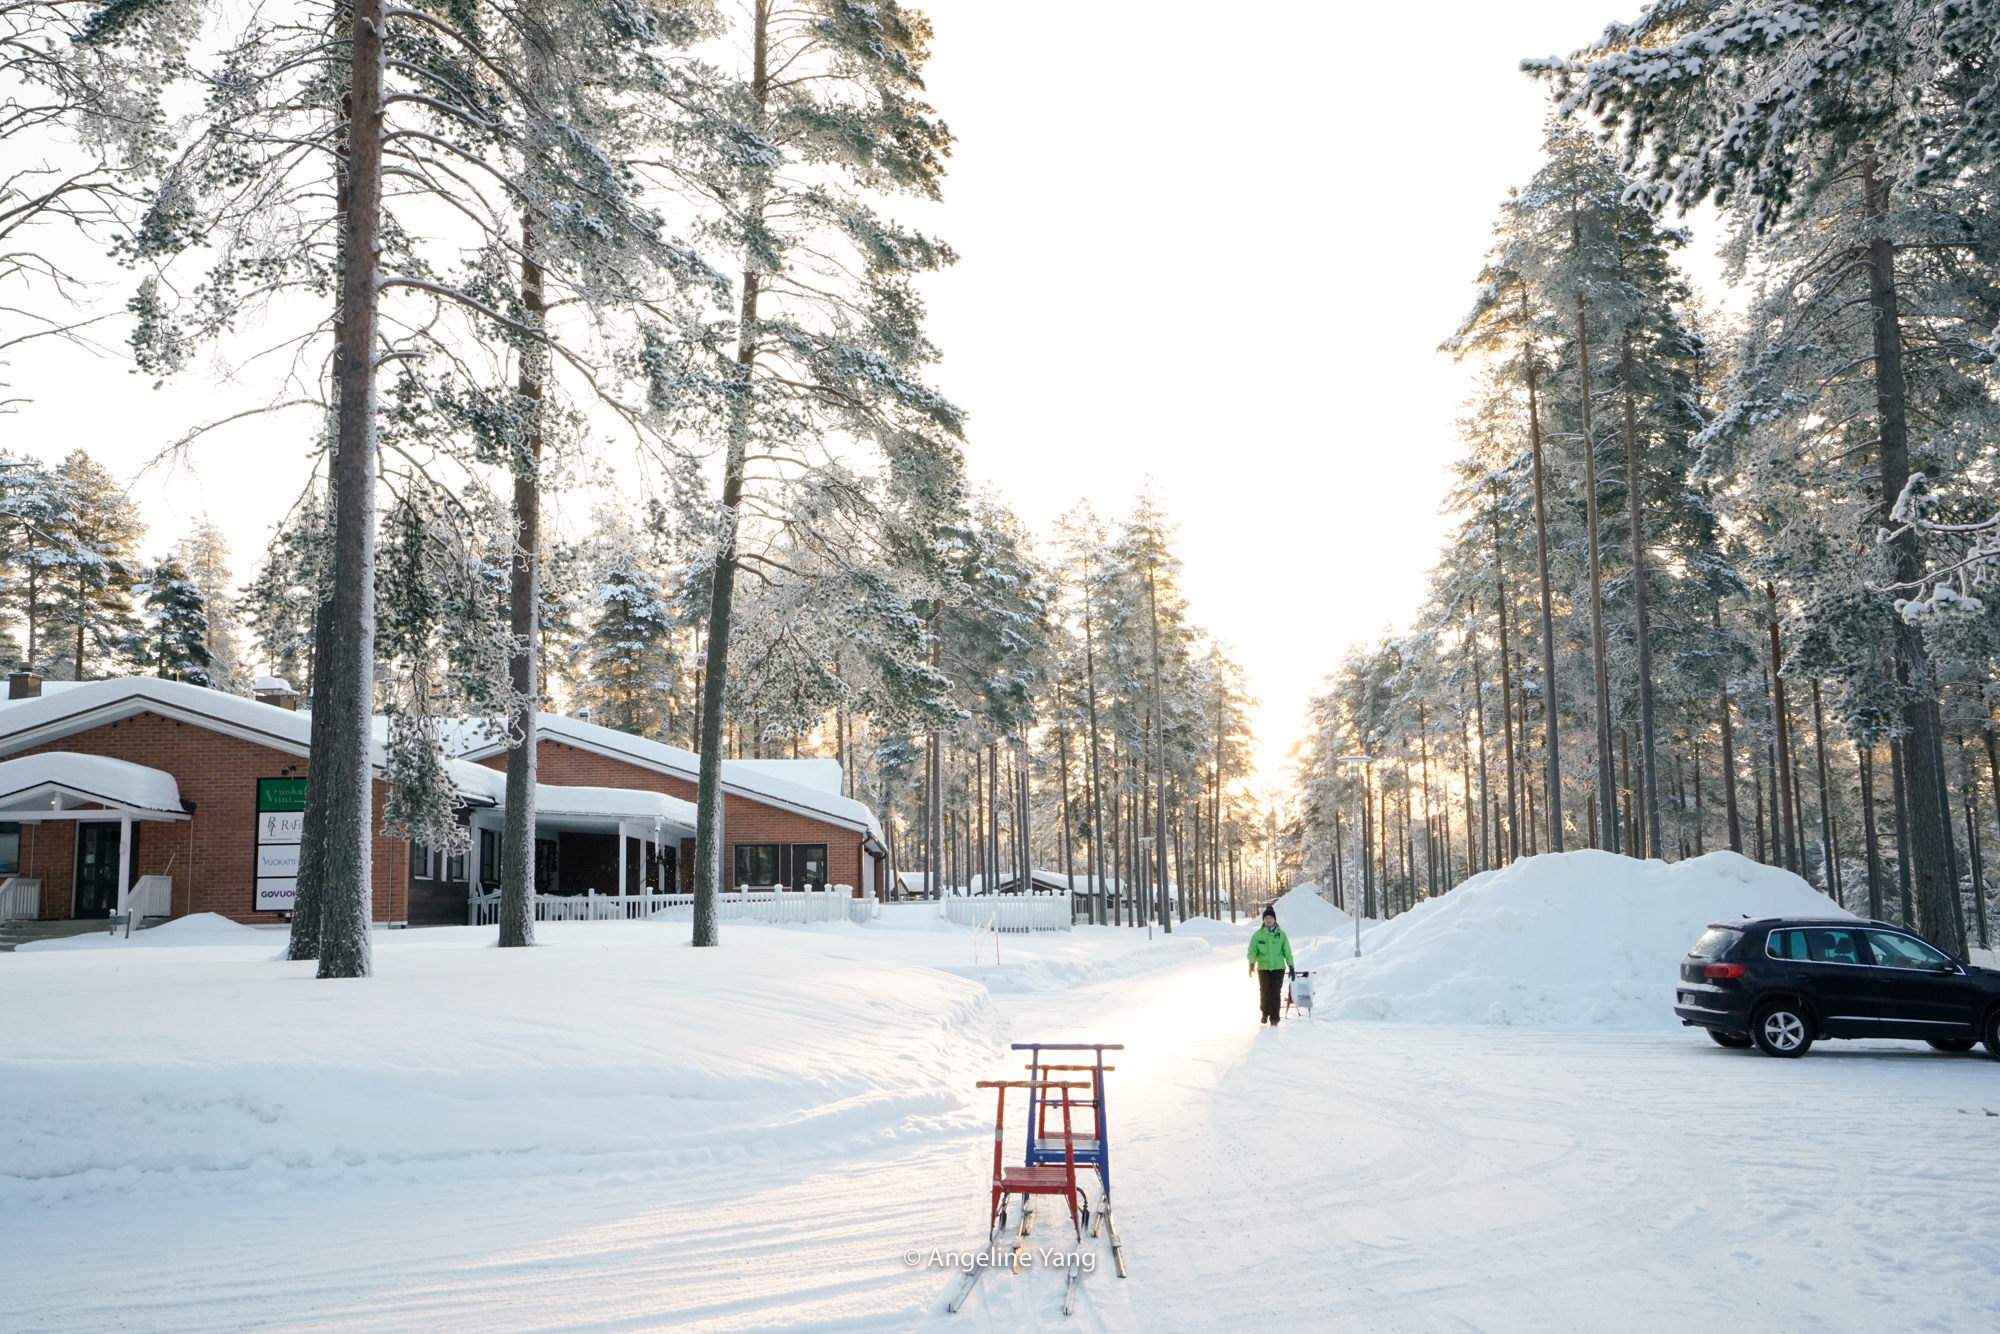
1783, 982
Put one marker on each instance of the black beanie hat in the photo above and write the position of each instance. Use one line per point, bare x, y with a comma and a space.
1271, 911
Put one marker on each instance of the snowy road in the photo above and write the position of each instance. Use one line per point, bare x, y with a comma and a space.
1357, 1176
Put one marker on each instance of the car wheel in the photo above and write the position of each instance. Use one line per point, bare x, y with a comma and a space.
1951, 1044
1782, 1029
1990, 1032
1734, 1041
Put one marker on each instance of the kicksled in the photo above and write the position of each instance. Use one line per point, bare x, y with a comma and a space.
1067, 1135
1299, 992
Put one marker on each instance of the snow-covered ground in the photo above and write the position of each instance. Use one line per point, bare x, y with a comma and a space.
618, 1132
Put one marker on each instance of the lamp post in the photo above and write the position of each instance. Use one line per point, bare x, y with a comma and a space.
1146, 865
1354, 846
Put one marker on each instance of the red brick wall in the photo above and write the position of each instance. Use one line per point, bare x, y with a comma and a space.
212, 855
744, 820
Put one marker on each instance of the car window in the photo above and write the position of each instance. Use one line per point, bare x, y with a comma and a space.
1816, 944
1893, 951
1715, 942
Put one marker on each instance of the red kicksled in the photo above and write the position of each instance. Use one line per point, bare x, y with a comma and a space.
1052, 1161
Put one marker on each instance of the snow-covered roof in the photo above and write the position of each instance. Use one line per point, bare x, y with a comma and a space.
745, 778
61, 780
820, 775
621, 803
67, 707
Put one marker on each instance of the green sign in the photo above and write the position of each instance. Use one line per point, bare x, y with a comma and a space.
281, 794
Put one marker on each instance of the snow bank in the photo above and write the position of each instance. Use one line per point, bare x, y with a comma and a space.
613, 1046
196, 929
1578, 938
1303, 913
610, 1047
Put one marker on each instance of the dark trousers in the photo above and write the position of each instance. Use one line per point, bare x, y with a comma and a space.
1271, 991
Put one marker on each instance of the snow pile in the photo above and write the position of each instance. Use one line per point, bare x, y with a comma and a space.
196, 929
1579, 938
1302, 914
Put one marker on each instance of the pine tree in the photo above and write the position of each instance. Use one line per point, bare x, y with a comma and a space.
1851, 148
204, 554
828, 331
91, 615
178, 631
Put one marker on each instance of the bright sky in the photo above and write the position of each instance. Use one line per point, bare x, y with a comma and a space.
1220, 245
1217, 246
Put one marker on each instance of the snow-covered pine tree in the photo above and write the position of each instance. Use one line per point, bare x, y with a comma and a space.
534, 102
176, 636
628, 653
1857, 131
204, 554
91, 618
820, 110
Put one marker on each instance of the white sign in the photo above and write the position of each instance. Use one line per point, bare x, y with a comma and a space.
280, 860
280, 827
276, 895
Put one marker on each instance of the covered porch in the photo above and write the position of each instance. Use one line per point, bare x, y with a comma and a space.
106, 801
601, 854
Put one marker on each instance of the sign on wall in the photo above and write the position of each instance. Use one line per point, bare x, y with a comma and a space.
281, 806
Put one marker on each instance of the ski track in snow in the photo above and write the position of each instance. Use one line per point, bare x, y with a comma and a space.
1358, 1176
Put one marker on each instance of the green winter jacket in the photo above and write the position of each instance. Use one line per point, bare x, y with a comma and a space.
1269, 949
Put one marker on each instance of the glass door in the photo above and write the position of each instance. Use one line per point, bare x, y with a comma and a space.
96, 868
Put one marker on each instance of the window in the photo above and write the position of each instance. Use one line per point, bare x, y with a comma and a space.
809, 864
10, 848
1715, 942
757, 864
454, 867
1816, 945
420, 862
489, 858
1893, 951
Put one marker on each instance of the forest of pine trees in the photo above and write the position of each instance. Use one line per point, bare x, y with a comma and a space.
1713, 581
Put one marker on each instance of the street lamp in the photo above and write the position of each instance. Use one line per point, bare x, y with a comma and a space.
1354, 849
1148, 890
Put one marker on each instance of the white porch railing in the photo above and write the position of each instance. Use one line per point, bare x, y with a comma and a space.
1017, 913
836, 904
150, 896
20, 897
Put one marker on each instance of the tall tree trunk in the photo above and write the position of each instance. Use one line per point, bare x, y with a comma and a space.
722, 588
1831, 855
1865, 756
1935, 896
342, 762
1096, 777
1897, 771
1485, 794
1599, 675
1507, 700
1782, 717
1164, 889
1728, 753
517, 834
1552, 757
1635, 507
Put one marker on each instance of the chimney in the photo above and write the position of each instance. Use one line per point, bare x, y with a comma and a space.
276, 690
24, 685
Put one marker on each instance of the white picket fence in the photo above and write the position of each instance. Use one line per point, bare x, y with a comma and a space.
835, 904
150, 896
20, 897
1016, 913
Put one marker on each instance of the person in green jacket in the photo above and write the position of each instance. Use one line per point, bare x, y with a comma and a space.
1270, 956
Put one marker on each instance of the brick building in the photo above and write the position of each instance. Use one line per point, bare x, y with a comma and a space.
784, 821
104, 783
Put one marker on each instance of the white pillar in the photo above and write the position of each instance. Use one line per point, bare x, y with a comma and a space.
125, 865
621, 858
